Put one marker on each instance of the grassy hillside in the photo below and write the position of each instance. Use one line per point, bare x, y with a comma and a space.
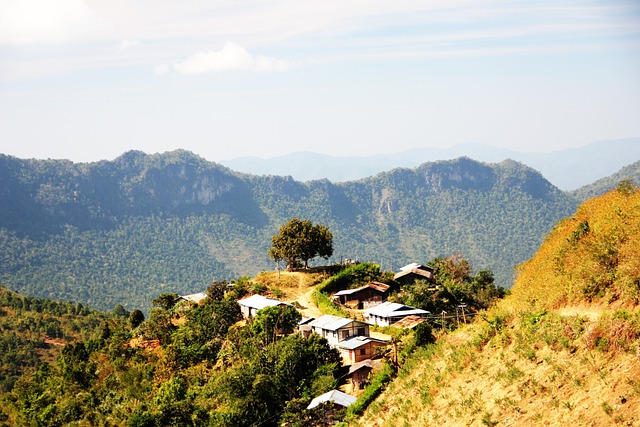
562, 348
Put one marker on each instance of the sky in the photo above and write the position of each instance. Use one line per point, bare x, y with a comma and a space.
88, 80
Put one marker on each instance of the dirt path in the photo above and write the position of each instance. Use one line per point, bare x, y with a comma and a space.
306, 301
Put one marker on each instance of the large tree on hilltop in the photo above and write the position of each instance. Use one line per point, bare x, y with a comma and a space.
299, 241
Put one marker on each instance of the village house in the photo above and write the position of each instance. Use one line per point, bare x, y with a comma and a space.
336, 329
369, 295
250, 306
389, 313
358, 348
414, 271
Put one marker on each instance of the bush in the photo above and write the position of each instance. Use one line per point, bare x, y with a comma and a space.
424, 334
325, 305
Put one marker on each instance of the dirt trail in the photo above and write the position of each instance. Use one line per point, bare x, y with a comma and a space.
309, 309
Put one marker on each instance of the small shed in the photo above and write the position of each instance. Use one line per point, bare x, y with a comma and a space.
250, 306
414, 271
388, 313
359, 372
369, 295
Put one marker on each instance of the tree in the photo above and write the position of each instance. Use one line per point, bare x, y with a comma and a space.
271, 321
166, 300
136, 318
299, 241
217, 290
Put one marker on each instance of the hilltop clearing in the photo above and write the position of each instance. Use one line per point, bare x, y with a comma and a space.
563, 348
294, 287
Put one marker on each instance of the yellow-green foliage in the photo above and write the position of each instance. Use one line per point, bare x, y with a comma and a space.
593, 255
325, 305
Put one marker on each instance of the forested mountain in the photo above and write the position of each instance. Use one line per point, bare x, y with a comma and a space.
601, 186
124, 231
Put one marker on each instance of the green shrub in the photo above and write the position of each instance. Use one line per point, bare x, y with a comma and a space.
351, 277
325, 305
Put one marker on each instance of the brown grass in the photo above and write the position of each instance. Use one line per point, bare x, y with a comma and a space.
461, 385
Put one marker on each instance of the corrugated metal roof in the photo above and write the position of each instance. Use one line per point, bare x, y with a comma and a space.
393, 309
349, 291
195, 298
259, 302
410, 266
352, 343
335, 396
305, 320
418, 271
330, 323
409, 322
364, 364
378, 286
373, 285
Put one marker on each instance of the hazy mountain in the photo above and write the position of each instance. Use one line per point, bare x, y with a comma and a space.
631, 173
124, 231
567, 169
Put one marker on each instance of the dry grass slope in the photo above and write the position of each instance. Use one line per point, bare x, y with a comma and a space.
563, 348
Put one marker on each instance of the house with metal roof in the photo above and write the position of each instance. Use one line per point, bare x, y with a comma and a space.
388, 313
336, 329
358, 348
250, 306
335, 397
414, 271
373, 293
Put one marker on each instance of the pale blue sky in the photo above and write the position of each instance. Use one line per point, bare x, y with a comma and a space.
88, 80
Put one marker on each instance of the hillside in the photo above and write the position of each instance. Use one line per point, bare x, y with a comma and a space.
125, 231
562, 348
34, 330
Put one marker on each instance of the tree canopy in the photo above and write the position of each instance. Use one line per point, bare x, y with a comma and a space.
298, 241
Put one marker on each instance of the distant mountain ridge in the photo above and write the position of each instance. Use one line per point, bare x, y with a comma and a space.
567, 169
124, 231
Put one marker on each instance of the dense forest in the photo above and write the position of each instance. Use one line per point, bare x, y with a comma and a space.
124, 231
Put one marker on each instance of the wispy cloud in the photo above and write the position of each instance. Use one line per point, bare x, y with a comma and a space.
45, 21
327, 31
129, 44
231, 57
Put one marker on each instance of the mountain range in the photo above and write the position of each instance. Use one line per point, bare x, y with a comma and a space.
124, 231
567, 169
